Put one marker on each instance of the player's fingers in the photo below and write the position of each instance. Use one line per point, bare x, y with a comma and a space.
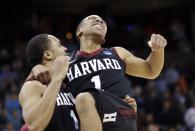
67, 59
127, 101
40, 77
157, 45
153, 38
48, 76
150, 44
127, 97
45, 78
160, 43
64, 59
158, 37
130, 100
154, 44
134, 107
164, 42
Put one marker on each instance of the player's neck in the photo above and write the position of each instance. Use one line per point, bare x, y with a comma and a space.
47, 64
89, 45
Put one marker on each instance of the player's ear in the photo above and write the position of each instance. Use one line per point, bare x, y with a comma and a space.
47, 55
79, 32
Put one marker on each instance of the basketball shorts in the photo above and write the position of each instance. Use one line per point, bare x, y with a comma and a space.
115, 114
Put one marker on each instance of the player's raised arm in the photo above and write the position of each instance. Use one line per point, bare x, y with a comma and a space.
152, 66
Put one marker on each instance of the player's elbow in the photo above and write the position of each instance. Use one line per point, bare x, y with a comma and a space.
32, 127
153, 76
32, 124
153, 73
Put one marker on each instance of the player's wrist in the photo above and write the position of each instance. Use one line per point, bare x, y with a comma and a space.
157, 50
58, 78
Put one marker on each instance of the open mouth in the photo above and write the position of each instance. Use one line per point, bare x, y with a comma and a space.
98, 26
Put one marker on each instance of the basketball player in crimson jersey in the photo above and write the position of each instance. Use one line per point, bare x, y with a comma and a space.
103, 69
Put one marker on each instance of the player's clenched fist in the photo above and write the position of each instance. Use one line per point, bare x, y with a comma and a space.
60, 67
157, 42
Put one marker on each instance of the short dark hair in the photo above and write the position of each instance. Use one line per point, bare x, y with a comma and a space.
36, 47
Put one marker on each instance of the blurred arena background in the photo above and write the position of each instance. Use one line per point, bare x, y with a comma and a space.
164, 104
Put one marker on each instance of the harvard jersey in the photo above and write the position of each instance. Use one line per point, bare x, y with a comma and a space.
64, 117
102, 69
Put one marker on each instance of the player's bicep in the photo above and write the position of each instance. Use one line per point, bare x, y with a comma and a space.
28, 107
134, 66
28, 97
137, 67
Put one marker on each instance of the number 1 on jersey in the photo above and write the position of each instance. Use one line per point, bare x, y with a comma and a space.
97, 82
76, 122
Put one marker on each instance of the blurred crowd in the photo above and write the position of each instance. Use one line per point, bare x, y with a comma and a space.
164, 104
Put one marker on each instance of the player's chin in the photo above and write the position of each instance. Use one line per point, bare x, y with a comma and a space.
98, 32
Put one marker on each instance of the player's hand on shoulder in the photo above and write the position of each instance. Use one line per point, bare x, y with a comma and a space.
157, 42
41, 73
60, 67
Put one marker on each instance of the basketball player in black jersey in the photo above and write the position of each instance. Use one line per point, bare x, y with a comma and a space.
48, 107
105, 68
95, 67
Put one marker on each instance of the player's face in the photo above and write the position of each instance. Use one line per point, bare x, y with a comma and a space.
94, 24
56, 48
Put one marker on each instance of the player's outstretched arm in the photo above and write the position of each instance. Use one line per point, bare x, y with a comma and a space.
152, 66
38, 101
